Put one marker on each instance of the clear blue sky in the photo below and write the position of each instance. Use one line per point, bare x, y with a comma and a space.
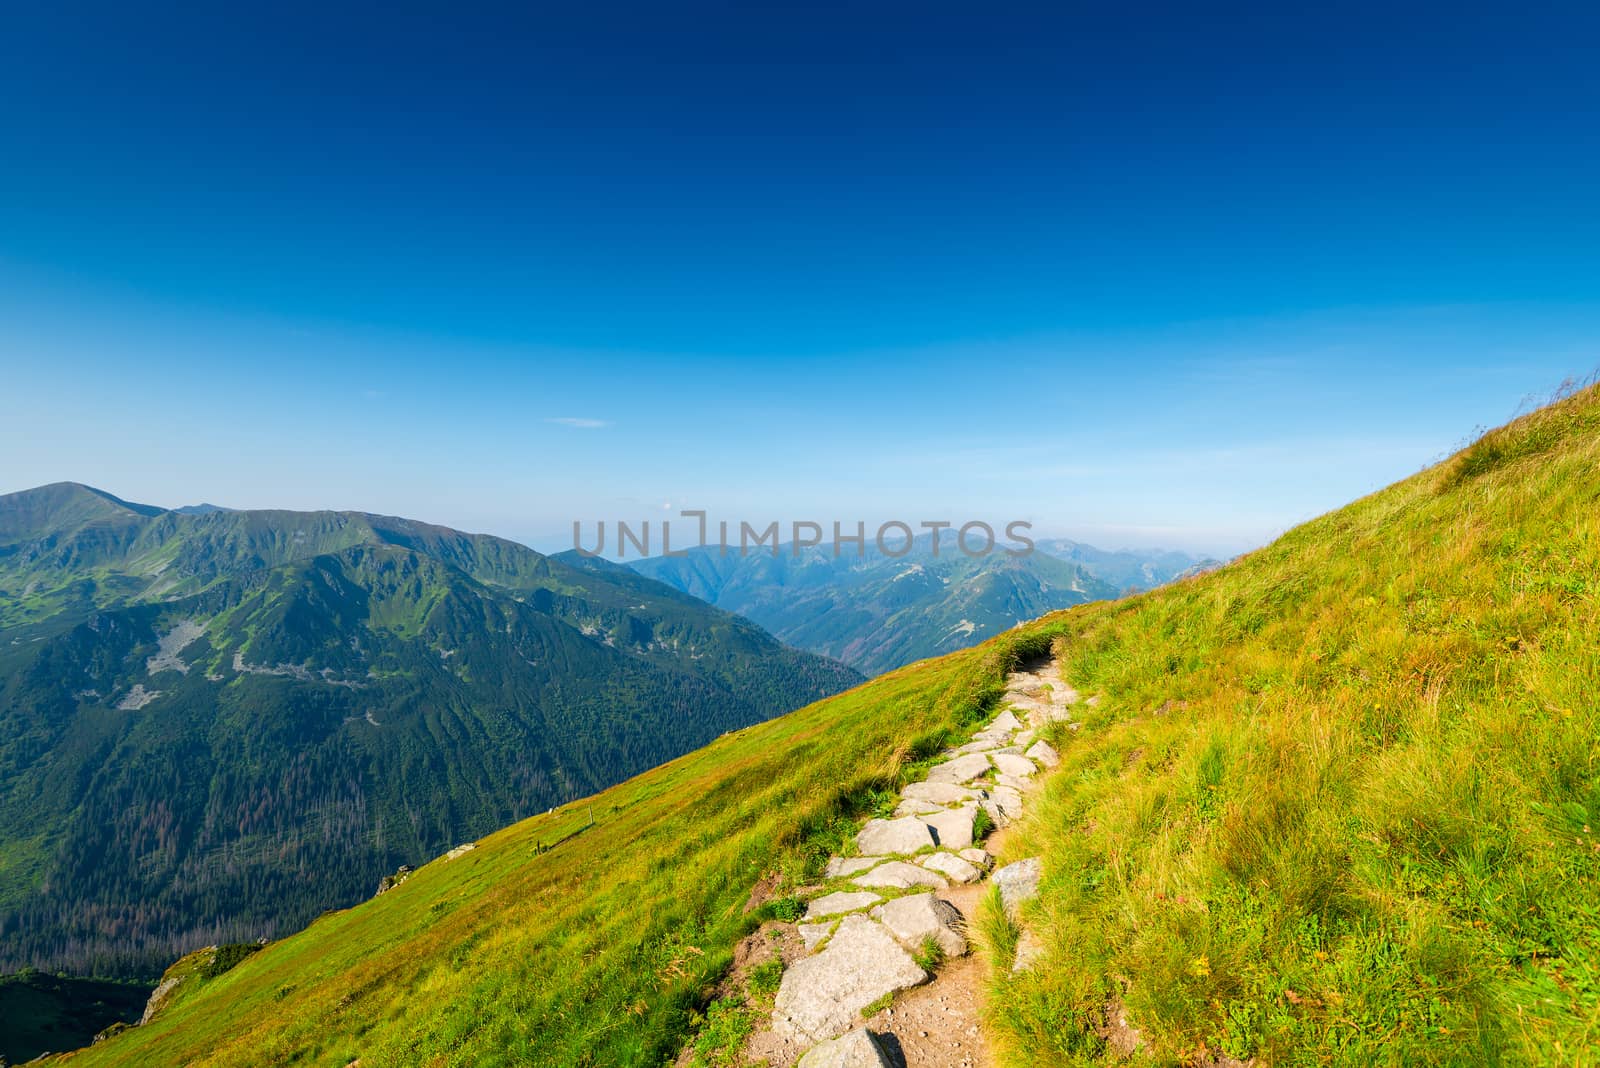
1180, 279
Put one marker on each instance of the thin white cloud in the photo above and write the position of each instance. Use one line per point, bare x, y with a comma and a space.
581, 424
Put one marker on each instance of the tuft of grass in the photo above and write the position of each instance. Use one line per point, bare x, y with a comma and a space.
983, 825
929, 955
998, 933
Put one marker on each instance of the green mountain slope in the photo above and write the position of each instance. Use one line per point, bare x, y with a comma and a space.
1335, 803
876, 612
215, 725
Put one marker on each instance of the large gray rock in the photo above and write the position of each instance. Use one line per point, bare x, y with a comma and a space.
843, 901
1009, 764
901, 876
939, 793
952, 827
904, 835
820, 996
961, 769
1019, 881
854, 1049
948, 864
914, 920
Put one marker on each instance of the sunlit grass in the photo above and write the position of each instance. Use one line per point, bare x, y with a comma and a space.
1339, 803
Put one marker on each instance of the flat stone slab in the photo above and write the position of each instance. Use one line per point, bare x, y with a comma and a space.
853, 1049
952, 827
916, 808
1019, 881
1005, 721
985, 746
1013, 782
977, 857
939, 793
996, 813
840, 901
904, 835
821, 995
1026, 738
914, 920
954, 867
1043, 753
838, 867
901, 876
1011, 764
813, 933
961, 769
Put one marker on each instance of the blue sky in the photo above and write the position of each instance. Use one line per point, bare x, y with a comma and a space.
1145, 279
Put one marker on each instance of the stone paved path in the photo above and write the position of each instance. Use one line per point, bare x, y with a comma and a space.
899, 908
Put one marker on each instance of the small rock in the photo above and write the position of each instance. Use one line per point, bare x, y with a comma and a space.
854, 1049
1018, 882
952, 828
959, 870
1029, 949
905, 835
843, 901
820, 996
900, 875
913, 920
838, 867
1011, 764
961, 769
976, 857
1026, 738
1044, 753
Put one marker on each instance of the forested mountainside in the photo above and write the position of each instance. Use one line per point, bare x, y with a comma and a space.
216, 724
875, 611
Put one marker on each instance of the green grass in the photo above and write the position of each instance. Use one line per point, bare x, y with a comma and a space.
1340, 802
607, 949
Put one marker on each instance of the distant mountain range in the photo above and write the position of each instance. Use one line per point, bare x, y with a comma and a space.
215, 724
877, 612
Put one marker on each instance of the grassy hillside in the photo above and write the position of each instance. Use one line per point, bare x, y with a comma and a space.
558, 942
1337, 803
1341, 801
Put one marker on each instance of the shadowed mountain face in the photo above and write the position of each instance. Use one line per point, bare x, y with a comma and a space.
877, 612
215, 724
